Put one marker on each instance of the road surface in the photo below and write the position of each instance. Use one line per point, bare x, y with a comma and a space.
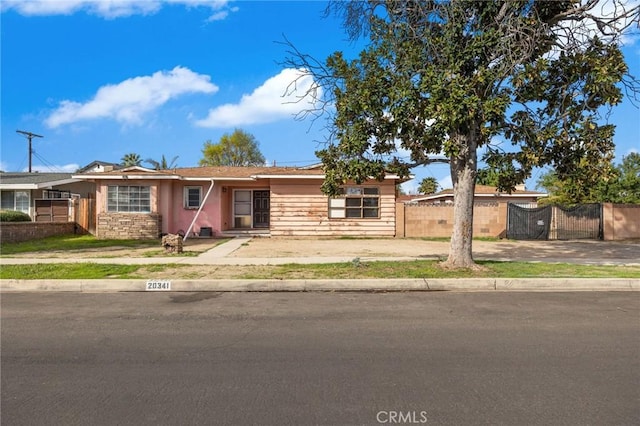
431, 358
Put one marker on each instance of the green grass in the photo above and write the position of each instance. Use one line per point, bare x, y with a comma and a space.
89, 242
69, 271
71, 242
431, 269
350, 270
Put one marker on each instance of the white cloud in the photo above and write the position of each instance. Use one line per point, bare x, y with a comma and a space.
278, 98
222, 14
128, 101
111, 9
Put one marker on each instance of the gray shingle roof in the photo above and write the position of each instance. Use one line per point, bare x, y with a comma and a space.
23, 178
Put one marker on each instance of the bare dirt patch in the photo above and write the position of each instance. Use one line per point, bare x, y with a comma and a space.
429, 249
338, 247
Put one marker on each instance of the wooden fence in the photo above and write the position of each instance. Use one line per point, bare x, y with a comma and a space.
85, 215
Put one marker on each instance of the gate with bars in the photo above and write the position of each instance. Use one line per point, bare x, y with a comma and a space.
554, 222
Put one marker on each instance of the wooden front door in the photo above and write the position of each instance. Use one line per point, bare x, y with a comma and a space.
261, 209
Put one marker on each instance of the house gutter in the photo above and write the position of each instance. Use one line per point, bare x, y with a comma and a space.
206, 197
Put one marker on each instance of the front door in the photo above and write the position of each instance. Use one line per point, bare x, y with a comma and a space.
261, 209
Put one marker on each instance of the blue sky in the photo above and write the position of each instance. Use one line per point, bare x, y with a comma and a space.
103, 78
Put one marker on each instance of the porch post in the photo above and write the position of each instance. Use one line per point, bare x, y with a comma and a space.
206, 197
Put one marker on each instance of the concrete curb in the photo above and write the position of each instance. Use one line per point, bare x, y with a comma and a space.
465, 284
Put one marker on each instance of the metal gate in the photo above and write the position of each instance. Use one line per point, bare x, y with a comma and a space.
554, 222
528, 223
583, 221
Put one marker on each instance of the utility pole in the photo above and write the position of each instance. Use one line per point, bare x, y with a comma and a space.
29, 136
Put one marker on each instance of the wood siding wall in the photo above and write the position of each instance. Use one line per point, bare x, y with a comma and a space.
300, 209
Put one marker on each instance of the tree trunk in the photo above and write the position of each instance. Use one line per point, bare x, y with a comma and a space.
464, 168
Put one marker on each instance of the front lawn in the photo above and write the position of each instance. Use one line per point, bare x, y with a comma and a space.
71, 242
349, 270
63, 245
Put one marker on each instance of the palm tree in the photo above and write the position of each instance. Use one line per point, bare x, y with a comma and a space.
162, 164
131, 159
428, 185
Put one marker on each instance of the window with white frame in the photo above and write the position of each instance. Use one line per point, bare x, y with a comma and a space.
15, 200
129, 199
192, 197
355, 202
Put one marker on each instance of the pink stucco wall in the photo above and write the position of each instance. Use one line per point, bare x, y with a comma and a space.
181, 217
167, 199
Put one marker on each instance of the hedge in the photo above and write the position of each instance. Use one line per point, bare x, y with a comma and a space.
14, 216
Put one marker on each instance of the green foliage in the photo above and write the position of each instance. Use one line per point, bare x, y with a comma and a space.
238, 149
456, 76
14, 216
428, 185
489, 177
68, 271
451, 77
131, 159
71, 242
163, 164
616, 184
626, 187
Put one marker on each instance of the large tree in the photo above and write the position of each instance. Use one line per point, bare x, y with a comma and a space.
455, 77
620, 184
626, 187
237, 149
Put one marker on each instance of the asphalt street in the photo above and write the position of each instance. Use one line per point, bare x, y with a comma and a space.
320, 358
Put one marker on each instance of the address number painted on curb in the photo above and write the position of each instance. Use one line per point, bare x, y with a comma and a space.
155, 285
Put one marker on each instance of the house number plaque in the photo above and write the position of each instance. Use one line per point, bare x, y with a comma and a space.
158, 285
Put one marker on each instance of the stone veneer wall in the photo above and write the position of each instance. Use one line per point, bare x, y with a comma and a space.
129, 226
15, 232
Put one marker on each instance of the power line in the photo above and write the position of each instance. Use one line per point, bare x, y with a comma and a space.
29, 136
50, 166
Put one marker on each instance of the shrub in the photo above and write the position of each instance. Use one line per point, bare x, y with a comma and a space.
13, 216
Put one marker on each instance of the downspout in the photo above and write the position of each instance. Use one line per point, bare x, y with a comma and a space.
206, 197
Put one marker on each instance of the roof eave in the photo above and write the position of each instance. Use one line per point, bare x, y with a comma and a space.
126, 177
37, 185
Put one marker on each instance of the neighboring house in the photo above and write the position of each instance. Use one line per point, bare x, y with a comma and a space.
482, 193
137, 202
99, 166
43, 196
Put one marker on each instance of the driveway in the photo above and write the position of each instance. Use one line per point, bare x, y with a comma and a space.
583, 250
